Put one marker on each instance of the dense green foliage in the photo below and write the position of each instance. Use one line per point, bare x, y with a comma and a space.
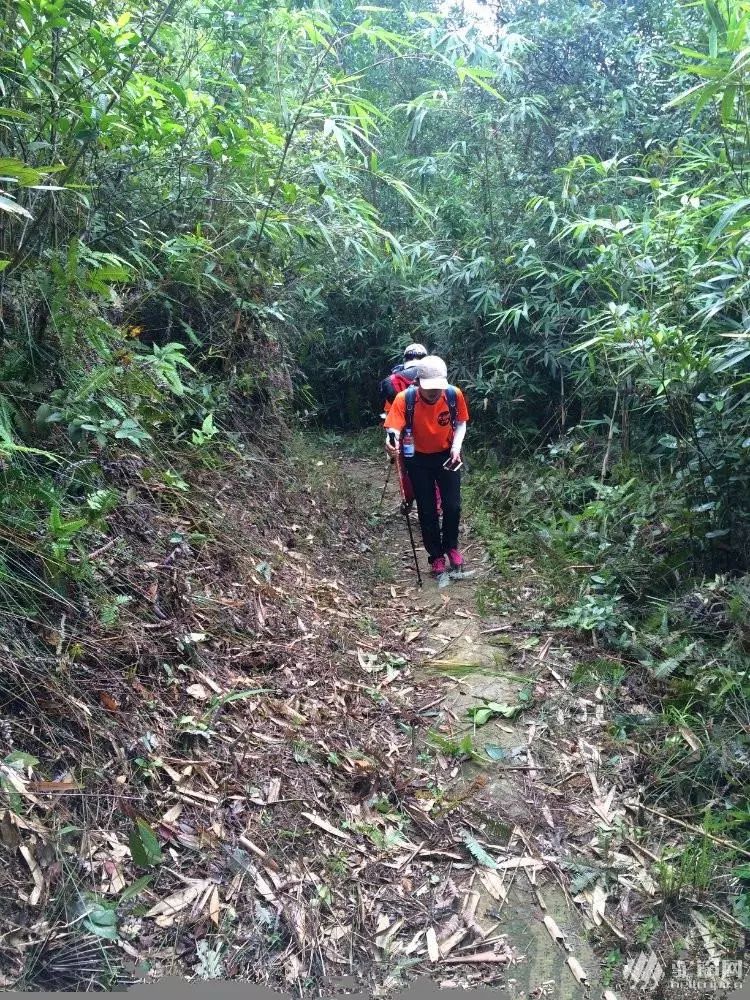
176, 180
197, 194
582, 268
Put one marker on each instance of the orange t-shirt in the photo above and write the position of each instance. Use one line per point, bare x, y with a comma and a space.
432, 421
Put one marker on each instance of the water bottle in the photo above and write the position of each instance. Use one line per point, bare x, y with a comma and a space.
408, 443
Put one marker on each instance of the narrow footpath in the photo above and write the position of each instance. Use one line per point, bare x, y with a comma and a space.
297, 768
585, 882
481, 659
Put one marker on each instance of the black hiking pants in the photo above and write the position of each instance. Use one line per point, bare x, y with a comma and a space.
425, 471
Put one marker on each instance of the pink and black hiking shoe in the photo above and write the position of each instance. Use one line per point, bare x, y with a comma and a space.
456, 559
438, 567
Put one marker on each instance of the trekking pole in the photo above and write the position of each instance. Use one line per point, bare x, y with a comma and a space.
413, 546
406, 510
387, 480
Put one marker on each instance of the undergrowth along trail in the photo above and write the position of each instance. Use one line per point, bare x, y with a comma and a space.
217, 222
269, 756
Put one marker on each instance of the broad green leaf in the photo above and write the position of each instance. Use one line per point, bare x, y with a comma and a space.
101, 920
479, 77
717, 19
727, 104
480, 716
144, 847
731, 359
320, 172
502, 708
22, 758
330, 128
726, 217
16, 114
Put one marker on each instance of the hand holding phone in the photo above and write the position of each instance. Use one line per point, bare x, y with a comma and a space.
453, 464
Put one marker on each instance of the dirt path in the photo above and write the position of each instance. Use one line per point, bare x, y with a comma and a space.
295, 733
454, 641
553, 781
284, 786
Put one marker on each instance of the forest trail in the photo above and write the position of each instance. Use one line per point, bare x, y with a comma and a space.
277, 780
312, 769
236, 741
457, 643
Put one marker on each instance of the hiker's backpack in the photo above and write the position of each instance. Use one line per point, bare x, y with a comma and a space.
395, 383
411, 400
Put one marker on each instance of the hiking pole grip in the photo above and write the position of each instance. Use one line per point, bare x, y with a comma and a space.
392, 442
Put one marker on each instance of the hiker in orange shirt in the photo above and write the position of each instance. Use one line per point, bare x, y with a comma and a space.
401, 378
429, 423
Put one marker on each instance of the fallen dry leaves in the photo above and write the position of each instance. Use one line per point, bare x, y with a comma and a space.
195, 895
270, 732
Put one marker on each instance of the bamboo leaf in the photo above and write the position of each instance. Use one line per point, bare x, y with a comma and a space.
478, 852
144, 847
726, 217
8, 205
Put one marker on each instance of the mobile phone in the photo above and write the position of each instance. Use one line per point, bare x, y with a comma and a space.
450, 467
